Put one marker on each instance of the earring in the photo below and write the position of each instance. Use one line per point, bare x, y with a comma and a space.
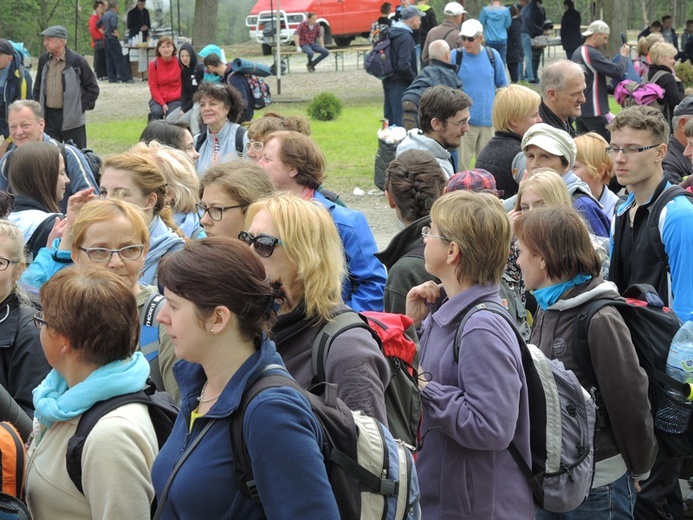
212, 331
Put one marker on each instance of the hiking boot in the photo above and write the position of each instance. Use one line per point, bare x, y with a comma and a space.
310, 67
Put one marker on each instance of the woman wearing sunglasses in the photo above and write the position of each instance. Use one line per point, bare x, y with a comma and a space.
90, 364
299, 245
226, 191
113, 236
219, 309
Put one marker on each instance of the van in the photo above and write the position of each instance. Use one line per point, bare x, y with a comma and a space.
341, 20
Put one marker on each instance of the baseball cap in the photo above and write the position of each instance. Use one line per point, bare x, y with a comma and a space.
471, 28
6, 47
56, 31
597, 27
477, 179
685, 107
411, 11
453, 9
552, 140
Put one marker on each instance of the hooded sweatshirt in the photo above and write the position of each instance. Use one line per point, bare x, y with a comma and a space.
191, 77
416, 140
627, 442
162, 240
496, 21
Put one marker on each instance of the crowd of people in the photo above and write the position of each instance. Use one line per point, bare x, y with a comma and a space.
197, 261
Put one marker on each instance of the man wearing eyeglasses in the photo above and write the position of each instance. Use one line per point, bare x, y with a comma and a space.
482, 71
651, 243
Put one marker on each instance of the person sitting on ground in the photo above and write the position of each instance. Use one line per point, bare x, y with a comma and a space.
596, 168
176, 135
220, 308
164, 77
294, 162
224, 139
515, 109
413, 181
90, 364
662, 73
298, 243
438, 72
226, 192
37, 178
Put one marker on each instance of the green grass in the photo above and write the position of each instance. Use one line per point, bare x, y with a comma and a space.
114, 136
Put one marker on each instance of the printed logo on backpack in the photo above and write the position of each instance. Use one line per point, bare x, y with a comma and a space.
562, 420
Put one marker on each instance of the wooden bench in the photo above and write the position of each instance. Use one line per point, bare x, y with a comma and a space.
338, 54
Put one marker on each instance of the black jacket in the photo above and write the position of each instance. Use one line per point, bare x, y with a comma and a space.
675, 165
437, 73
17, 86
673, 90
191, 77
571, 38
551, 119
137, 19
497, 158
515, 54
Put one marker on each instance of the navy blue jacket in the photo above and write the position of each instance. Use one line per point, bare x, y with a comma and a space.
532, 19
403, 53
17, 86
437, 73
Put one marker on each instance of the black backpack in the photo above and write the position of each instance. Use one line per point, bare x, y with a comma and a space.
240, 134
162, 410
459, 55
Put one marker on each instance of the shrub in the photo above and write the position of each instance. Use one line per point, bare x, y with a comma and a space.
684, 71
325, 107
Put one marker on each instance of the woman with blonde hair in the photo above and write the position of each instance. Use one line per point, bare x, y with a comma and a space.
112, 235
226, 191
182, 185
596, 167
642, 62
136, 178
515, 109
662, 73
299, 245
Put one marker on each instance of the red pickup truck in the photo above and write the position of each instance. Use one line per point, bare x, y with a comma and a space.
342, 20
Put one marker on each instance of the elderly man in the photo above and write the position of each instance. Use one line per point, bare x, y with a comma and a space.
597, 68
27, 126
15, 83
675, 165
439, 72
443, 120
65, 87
482, 71
449, 30
562, 95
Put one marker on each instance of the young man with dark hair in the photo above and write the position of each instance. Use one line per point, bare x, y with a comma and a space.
309, 39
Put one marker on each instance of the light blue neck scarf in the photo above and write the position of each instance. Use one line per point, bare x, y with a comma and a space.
55, 402
547, 296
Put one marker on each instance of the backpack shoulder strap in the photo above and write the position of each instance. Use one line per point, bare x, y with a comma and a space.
581, 348
656, 76
75, 446
240, 134
150, 346
491, 58
342, 322
494, 307
654, 236
458, 60
201, 138
17, 448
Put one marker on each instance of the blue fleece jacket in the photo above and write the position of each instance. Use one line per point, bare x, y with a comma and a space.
496, 22
283, 438
162, 240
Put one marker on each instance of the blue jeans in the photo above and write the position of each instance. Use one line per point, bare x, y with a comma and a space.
116, 64
501, 47
527, 48
310, 51
394, 90
614, 501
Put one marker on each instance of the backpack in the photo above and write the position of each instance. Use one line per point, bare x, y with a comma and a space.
12, 461
652, 326
459, 55
262, 96
149, 336
371, 474
379, 61
629, 93
562, 420
379, 31
12, 508
396, 336
240, 134
95, 162
162, 411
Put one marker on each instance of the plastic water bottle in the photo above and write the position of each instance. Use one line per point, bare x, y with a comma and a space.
674, 415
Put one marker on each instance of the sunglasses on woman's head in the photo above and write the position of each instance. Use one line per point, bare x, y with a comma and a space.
263, 244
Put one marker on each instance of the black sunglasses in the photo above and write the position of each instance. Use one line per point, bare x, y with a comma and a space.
468, 38
263, 244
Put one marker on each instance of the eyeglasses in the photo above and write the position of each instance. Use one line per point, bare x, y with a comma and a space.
216, 213
468, 38
39, 321
5, 263
628, 150
426, 233
459, 124
264, 244
255, 146
101, 255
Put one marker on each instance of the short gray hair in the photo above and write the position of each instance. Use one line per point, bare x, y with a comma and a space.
32, 105
558, 73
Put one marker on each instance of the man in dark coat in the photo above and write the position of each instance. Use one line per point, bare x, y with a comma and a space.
675, 165
571, 38
15, 83
138, 20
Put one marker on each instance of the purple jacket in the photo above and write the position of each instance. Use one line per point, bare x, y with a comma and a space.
471, 412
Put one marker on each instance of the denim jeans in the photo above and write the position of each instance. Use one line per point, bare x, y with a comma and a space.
394, 90
117, 67
501, 47
527, 48
614, 501
310, 51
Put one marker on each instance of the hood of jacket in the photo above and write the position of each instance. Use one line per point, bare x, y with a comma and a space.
193, 57
495, 13
400, 28
581, 294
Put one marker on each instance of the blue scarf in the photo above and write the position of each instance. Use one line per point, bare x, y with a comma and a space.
547, 296
55, 402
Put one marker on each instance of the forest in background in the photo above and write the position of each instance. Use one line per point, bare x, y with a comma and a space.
23, 20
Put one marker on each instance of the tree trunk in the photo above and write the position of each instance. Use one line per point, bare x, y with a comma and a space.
616, 17
205, 22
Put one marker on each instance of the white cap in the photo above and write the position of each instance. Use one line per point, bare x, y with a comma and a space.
454, 9
471, 28
597, 27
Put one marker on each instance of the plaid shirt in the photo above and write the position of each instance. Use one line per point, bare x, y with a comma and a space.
306, 35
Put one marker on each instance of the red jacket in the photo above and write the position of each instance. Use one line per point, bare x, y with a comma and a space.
96, 34
165, 80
